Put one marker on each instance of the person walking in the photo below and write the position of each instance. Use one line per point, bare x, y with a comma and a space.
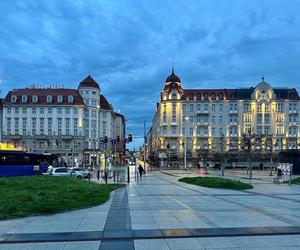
141, 170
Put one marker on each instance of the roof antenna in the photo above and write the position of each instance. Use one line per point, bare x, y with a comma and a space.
172, 68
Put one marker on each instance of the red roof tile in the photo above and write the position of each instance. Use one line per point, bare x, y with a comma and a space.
104, 104
89, 82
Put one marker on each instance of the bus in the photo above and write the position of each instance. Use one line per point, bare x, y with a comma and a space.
21, 163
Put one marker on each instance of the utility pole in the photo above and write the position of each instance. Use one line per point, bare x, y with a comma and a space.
145, 145
186, 119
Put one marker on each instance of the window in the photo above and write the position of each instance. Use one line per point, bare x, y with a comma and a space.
220, 131
49, 110
213, 119
75, 111
24, 98
33, 110
213, 131
70, 98
34, 98
24, 110
191, 107
192, 119
184, 108
13, 98
49, 98
41, 110
16, 110
198, 119
59, 98
94, 113
191, 131
259, 118
198, 131
267, 118
220, 119
8, 110
221, 107
205, 107
173, 130
198, 107
59, 110
213, 107
94, 102
67, 111
173, 118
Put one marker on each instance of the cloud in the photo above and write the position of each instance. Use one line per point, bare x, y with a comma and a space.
128, 46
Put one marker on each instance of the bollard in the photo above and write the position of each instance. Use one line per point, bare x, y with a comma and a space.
114, 173
222, 170
89, 175
128, 174
105, 176
98, 175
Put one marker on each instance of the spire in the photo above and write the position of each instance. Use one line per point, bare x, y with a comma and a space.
262, 78
172, 68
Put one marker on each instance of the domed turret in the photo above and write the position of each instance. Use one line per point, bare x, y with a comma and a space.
173, 77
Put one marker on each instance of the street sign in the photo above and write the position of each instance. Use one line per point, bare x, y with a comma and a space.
113, 141
126, 140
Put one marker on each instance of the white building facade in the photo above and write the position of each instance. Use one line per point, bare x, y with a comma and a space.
67, 122
218, 119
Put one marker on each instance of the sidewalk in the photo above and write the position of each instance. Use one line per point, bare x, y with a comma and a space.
158, 212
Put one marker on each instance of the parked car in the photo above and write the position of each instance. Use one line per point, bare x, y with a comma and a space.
59, 172
79, 173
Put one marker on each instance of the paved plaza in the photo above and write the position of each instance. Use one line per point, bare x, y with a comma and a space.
158, 212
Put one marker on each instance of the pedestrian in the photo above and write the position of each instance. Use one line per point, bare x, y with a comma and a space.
141, 170
279, 172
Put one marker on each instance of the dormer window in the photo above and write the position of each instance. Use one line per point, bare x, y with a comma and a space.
34, 98
59, 98
24, 98
70, 98
191, 96
174, 96
13, 98
49, 98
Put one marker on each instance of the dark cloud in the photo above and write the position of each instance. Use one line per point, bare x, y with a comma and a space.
128, 46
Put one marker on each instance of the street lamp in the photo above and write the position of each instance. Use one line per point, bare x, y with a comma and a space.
186, 120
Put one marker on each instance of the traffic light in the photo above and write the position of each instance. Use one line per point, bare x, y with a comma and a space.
118, 138
105, 139
130, 137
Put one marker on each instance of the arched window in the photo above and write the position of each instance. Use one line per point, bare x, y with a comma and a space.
13, 98
198, 97
49, 98
59, 98
213, 96
24, 98
34, 98
70, 98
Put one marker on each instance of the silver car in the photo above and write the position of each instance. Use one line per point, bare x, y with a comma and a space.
79, 173
59, 172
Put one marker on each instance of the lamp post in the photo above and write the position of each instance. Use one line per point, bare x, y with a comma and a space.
186, 120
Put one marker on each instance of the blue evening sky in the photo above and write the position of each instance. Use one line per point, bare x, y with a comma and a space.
128, 46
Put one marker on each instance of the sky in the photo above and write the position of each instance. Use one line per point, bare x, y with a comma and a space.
129, 46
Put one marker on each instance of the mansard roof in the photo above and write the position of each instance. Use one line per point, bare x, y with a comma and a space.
42, 96
236, 94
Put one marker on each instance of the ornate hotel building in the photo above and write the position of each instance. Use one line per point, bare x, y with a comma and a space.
68, 122
218, 119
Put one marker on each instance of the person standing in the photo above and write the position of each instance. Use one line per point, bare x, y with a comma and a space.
141, 170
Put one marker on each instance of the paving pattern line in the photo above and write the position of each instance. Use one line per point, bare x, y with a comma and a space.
119, 237
118, 224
